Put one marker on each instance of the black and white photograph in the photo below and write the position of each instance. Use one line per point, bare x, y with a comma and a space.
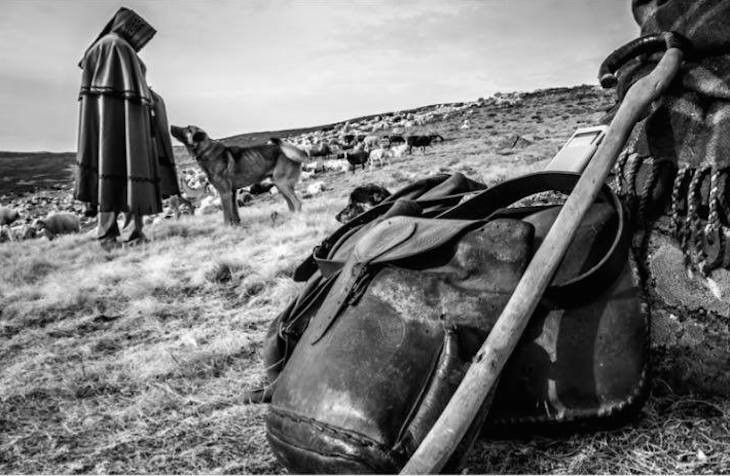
365, 237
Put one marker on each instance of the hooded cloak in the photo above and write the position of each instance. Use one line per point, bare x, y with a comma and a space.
165, 157
120, 145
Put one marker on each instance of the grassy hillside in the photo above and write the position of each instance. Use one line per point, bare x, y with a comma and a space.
22, 172
135, 360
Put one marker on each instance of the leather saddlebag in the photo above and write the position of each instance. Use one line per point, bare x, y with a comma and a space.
369, 354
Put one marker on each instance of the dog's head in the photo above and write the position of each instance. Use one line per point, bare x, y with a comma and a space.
351, 211
191, 136
199, 145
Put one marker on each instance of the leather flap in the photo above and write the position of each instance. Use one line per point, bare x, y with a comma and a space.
402, 237
392, 239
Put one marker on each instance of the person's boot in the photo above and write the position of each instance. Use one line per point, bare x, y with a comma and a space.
90, 210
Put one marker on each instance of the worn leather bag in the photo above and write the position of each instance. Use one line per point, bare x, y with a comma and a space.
366, 358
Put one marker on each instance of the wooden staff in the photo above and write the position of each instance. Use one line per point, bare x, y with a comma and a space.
449, 429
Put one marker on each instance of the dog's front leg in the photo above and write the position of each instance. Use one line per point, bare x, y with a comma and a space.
224, 206
230, 213
224, 194
235, 218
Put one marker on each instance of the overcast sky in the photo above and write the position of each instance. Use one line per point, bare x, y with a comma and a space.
241, 66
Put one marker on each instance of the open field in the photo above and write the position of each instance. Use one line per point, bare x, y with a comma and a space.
135, 360
25, 172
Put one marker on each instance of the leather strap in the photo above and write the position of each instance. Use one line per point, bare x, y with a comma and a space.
439, 191
490, 202
493, 202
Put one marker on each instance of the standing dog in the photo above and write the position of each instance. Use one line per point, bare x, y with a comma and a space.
229, 168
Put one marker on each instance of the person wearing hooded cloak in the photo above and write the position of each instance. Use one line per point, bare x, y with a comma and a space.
124, 161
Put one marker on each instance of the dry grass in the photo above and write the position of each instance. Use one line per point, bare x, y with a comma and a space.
676, 434
135, 361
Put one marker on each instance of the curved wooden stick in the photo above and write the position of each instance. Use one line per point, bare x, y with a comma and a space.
453, 423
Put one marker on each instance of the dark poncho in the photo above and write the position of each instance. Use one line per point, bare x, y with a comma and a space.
124, 162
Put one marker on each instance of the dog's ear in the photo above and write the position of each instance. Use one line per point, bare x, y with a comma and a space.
199, 136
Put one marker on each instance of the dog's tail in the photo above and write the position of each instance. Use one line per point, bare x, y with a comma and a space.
290, 152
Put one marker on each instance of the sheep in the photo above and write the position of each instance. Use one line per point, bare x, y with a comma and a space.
381, 155
320, 150
398, 151
314, 189
17, 233
336, 165
58, 224
421, 141
358, 156
8, 216
209, 204
370, 142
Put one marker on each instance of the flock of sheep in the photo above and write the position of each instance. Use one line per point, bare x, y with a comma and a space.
54, 224
377, 140
368, 142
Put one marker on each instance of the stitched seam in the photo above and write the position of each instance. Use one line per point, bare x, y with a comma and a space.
109, 91
638, 391
326, 428
133, 178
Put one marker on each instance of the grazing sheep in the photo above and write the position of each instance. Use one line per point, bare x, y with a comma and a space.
17, 233
209, 204
466, 124
379, 155
320, 150
25, 232
336, 165
179, 205
398, 151
314, 189
370, 142
58, 224
356, 157
421, 141
7, 216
